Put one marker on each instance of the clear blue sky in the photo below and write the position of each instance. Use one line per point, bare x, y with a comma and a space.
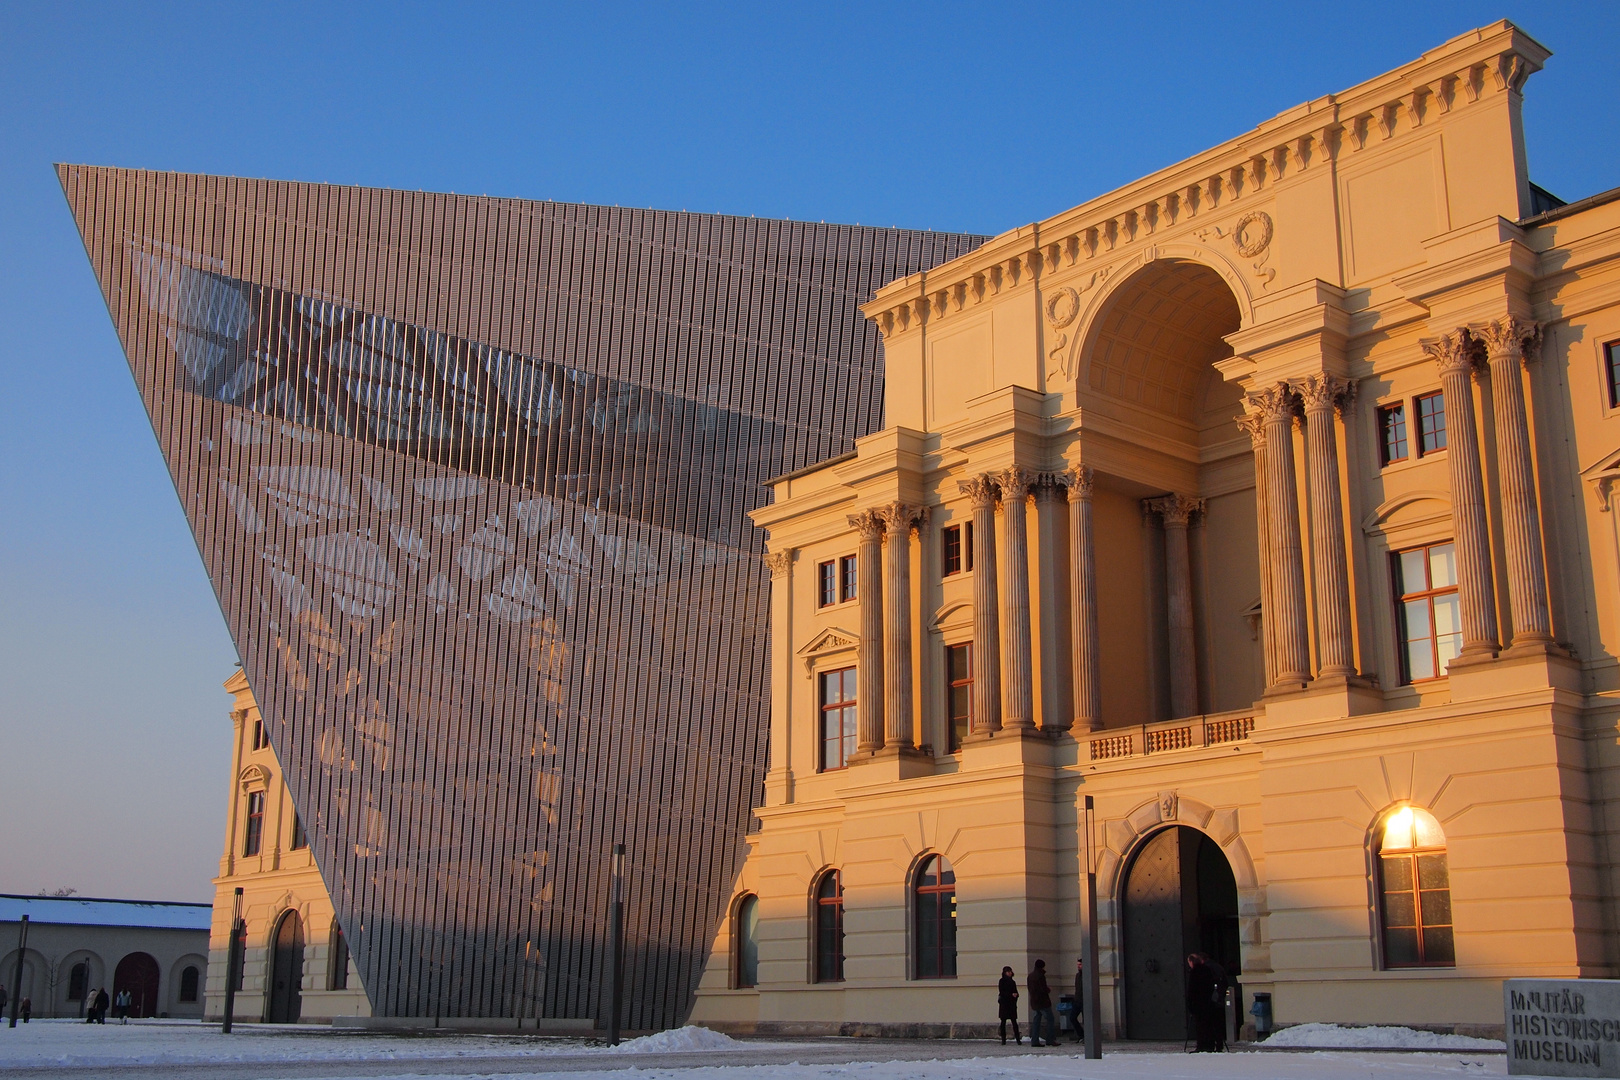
114, 738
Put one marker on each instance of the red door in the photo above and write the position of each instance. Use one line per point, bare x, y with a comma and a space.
138, 973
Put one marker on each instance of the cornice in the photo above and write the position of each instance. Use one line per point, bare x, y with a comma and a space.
1461, 73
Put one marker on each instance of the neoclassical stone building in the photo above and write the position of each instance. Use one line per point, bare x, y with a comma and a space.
1266, 501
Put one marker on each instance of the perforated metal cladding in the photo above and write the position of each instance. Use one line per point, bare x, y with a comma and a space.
470, 478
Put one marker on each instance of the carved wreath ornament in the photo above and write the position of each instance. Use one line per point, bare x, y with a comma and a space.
1252, 233
1063, 307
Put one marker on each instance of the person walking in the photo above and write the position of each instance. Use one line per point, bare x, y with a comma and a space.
121, 1003
26, 1008
89, 1004
102, 1001
1206, 1000
1007, 1005
1079, 998
1041, 1016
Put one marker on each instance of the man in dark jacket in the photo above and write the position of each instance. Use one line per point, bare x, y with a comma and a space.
1079, 997
1040, 1007
102, 1001
1007, 1005
1206, 1000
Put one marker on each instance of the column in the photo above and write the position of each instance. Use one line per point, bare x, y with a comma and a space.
1080, 481
1175, 511
1324, 395
1253, 423
981, 492
1277, 408
1050, 573
1509, 344
1455, 355
869, 653
780, 564
1020, 705
898, 521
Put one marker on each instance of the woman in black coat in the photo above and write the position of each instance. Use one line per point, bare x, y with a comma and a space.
1007, 1001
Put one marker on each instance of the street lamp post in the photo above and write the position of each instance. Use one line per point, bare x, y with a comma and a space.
16, 975
1091, 1006
233, 962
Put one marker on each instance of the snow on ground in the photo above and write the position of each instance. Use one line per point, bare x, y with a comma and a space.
1332, 1036
677, 1040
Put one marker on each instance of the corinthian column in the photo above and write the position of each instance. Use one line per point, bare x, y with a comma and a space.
1508, 344
1277, 409
1020, 708
1083, 599
981, 492
1454, 355
869, 653
1253, 423
898, 521
1323, 395
1175, 511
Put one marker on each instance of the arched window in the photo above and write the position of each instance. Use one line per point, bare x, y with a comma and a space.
830, 927
189, 979
1416, 891
78, 981
935, 904
747, 941
337, 959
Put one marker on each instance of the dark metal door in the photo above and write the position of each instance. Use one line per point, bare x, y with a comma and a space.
1155, 998
287, 971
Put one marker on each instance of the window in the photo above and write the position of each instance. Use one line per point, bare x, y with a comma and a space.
299, 838
830, 927
1392, 433
935, 901
260, 739
241, 954
78, 981
1416, 891
254, 828
835, 581
337, 960
1430, 620
1431, 415
747, 946
959, 692
1611, 371
956, 548
837, 718
189, 978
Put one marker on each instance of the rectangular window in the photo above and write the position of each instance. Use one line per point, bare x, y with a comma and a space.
956, 548
837, 718
1431, 413
846, 578
1611, 372
337, 972
299, 839
258, 734
254, 828
827, 584
1430, 620
959, 692
1392, 432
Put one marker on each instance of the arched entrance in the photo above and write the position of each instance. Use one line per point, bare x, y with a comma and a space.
286, 971
138, 973
1180, 897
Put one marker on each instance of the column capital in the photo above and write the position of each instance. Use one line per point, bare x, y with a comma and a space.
869, 523
1512, 336
1322, 392
1254, 426
1275, 402
1174, 510
1016, 482
1456, 351
1080, 480
981, 490
899, 518
779, 563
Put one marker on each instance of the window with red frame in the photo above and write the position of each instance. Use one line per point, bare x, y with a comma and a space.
830, 928
935, 900
837, 718
1429, 617
1415, 888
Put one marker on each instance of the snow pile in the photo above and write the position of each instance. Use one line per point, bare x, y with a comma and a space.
677, 1040
1334, 1037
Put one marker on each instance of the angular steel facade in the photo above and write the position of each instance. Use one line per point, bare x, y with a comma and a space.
470, 478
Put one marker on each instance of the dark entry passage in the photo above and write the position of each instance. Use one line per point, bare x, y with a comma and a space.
287, 971
1180, 897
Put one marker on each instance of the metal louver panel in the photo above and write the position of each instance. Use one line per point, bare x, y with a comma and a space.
470, 477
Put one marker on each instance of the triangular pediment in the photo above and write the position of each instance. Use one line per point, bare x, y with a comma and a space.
1604, 476
833, 639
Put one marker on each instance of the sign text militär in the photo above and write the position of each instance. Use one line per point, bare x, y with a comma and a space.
1563, 1027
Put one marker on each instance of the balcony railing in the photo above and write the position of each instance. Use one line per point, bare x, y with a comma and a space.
1189, 733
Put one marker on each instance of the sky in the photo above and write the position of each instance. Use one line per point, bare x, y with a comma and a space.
114, 730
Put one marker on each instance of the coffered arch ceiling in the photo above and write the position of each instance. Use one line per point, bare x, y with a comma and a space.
1156, 340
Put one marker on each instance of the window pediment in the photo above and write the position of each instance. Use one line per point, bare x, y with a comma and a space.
254, 778
828, 642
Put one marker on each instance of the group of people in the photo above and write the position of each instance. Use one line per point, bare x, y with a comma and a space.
1206, 984
1042, 1017
97, 1003
25, 1006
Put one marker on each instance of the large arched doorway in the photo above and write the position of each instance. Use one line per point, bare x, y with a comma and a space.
138, 973
286, 971
1180, 897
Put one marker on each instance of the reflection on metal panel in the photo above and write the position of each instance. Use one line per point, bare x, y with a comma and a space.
470, 477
